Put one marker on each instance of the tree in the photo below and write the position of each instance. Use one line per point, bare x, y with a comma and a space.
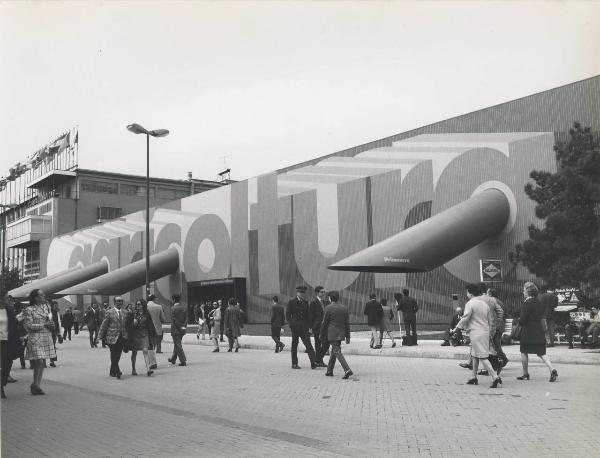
9, 279
565, 252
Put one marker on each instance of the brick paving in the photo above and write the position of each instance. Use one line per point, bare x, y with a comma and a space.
252, 404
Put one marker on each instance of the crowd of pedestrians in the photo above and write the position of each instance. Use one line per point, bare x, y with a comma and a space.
32, 332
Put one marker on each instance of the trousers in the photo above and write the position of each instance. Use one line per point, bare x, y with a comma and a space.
159, 338
336, 354
298, 332
411, 328
177, 349
116, 350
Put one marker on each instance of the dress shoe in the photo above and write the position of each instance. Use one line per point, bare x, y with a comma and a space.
277, 349
281, 345
10, 380
52, 364
321, 364
394, 345
295, 366
36, 390
216, 350
313, 365
153, 366
445, 343
230, 350
472, 381
149, 373
119, 374
377, 347
553, 375
466, 366
237, 349
182, 364
172, 361
523, 377
483, 372
329, 374
133, 373
347, 375
496, 382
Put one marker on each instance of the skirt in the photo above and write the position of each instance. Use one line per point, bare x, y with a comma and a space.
215, 331
139, 343
40, 345
533, 348
480, 344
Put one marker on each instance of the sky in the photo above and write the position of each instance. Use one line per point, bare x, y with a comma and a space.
258, 86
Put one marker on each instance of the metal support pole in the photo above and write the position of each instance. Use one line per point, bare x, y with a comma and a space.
147, 216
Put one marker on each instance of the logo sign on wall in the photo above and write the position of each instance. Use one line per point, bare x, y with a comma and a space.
490, 270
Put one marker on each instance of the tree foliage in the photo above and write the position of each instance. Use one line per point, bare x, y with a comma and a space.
565, 252
9, 279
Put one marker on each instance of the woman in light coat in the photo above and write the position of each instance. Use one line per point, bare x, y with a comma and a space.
386, 321
477, 320
215, 318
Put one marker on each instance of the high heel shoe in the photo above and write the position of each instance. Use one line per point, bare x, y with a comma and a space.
553, 375
473, 381
496, 382
523, 377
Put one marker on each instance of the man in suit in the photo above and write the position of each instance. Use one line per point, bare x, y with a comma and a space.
223, 307
91, 318
453, 322
374, 314
297, 315
550, 301
335, 328
157, 315
67, 322
409, 308
277, 322
316, 312
114, 333
76, 320
179, 319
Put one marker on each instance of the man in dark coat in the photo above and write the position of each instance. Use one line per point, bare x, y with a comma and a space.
10, 346
297, 315
91, 319
223, 307
550, 301
334, 329
409, 308
179, 321
374, 313
317, 310
277, 322
67, 322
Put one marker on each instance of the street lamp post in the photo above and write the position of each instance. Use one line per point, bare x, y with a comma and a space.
137, 129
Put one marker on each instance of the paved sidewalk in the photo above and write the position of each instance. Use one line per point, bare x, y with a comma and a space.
251, 404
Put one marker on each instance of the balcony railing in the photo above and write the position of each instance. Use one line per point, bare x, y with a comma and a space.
31, 228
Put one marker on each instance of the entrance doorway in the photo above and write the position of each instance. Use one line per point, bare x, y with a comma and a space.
219, 289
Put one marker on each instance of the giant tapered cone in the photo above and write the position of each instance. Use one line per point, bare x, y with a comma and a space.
436, 240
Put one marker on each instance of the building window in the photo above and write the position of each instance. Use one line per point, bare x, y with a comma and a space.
99, 187
109, 212
135, 190
166, 193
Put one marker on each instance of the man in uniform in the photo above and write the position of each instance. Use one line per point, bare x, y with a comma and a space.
297, 315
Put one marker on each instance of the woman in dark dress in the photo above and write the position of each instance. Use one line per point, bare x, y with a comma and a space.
141, 335
533, 337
